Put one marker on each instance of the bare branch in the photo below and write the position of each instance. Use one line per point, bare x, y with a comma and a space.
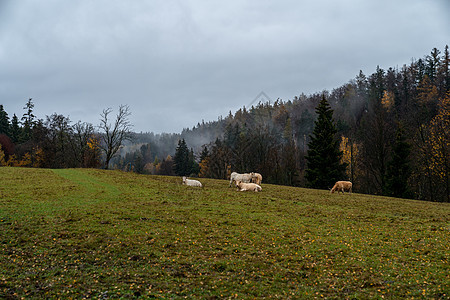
114, 136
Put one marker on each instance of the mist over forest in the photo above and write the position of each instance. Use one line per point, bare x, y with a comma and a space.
376, 117
368, 111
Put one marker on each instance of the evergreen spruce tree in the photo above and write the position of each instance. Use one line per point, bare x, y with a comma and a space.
231, 135
182, 166
204, 154
28, 121
324, 165
398, 169
15, 129
4, 122
193, 166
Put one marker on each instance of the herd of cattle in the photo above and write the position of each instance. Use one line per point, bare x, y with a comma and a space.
252, 182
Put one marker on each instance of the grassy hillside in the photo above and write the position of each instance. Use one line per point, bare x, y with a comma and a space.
107, 234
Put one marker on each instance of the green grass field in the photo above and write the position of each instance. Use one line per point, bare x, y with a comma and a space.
84, 233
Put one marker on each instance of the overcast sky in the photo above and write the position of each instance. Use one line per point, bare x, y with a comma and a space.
176, 63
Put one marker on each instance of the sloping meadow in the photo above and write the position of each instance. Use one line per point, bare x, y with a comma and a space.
84, 233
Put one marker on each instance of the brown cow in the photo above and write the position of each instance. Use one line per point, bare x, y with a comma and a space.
341, 186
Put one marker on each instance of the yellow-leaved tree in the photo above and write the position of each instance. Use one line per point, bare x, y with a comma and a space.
350, 153
38, 157
204, 168
26, 160
2, 157
439, 140
388, 100
13, 161
92, 154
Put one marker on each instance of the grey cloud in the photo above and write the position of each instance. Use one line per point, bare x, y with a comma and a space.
176, 63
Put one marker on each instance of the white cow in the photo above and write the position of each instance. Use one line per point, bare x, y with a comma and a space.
191, 182
247, 186
241, 177
256, 178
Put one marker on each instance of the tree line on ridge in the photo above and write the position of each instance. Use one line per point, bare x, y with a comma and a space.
391, 134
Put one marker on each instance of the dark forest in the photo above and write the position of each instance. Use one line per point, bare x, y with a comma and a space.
392, 127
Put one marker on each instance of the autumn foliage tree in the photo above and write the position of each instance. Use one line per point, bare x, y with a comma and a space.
439, 140
204, 163
92, 155
350, 157
2, 157
7, 146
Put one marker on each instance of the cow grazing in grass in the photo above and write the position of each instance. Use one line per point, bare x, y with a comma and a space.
341, 186
191, 182
242, 186
246, 178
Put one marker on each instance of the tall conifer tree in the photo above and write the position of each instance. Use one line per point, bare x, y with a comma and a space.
15, 129
4, 122
324, 165
181, 159
28, 121
398, 169
193, 166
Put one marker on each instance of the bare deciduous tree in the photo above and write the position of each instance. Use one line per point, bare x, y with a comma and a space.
114, 135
